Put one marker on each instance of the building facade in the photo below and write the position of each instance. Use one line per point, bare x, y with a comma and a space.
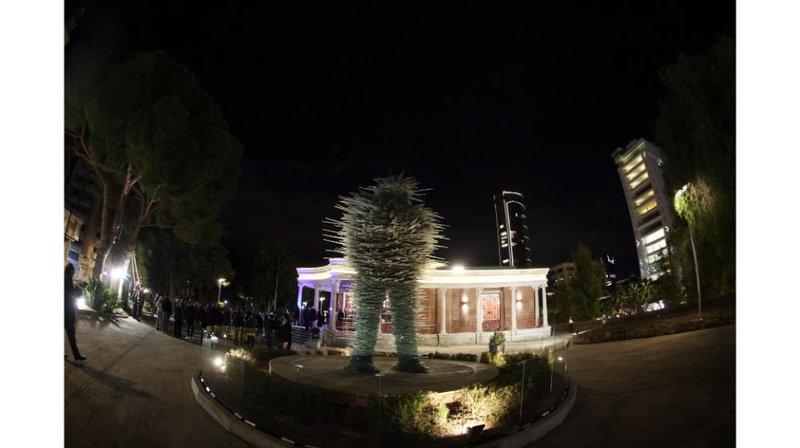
457, 306
513, 242
640, 168
560, 272
81, 209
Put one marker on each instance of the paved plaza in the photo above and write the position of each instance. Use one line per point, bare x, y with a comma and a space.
134, 391
668, 391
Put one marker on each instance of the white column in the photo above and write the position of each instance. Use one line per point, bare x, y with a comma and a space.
478, 313
300, 297
513, 310
316, 302
440, 297
333, 315
544, 304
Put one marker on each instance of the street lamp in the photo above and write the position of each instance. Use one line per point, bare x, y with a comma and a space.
678, 195
220, 281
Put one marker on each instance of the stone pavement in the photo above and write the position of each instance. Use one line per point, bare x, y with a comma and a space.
134, 390
668, 391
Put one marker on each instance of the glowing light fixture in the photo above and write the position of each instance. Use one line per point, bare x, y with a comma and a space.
458, 268
220, 281
218, 361
117, 273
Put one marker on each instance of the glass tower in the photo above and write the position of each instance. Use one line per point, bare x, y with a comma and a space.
513, 243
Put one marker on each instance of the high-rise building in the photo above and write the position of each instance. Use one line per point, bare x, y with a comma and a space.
513, 242
640, 169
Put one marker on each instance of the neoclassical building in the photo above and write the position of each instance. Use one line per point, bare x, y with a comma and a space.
457, 305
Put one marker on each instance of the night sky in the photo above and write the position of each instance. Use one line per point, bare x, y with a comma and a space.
468, 97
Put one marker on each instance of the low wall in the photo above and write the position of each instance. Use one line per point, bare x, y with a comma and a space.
645, 330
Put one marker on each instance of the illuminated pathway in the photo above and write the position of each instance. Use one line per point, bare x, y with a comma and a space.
669, 391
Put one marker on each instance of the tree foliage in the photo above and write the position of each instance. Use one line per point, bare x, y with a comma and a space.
259, 269
579, 295
696, 129
150, 132
171, 266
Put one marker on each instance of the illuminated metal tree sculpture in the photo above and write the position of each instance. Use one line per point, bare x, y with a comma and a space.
387, 234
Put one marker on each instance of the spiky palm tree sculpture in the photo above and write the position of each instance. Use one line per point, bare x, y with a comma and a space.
387, 234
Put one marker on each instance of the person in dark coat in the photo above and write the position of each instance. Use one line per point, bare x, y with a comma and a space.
178, 330
284, 334
202, 318
166, 308
189, 313
70, 294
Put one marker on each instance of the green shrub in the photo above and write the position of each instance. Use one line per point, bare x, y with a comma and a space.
413, 413
469, 357
498, 338
100, 297
485, 403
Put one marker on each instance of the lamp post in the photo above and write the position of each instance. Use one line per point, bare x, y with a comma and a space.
678, 195
220, 281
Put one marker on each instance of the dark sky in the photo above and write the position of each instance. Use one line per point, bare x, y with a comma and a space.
468, 97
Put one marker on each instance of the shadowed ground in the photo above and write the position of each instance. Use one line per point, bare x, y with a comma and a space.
668, 391
134, 391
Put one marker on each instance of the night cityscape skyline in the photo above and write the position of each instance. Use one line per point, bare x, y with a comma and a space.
469, 99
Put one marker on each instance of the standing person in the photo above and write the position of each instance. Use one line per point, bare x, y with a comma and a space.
157, 309
284, 333
166, 310
307, 317
571, 325
190, 314
312, 316
321, 318
70, 294
179, 307
201, 317
340, 320
135, 303
260, 323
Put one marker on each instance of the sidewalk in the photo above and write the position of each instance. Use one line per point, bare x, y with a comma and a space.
134, 390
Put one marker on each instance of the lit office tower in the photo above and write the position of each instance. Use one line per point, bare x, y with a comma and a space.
640, 169
513, 243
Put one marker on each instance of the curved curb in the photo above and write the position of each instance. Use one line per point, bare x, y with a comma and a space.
536, 431
249, 433
231, 423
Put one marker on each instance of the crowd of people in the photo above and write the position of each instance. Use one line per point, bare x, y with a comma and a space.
185, 318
